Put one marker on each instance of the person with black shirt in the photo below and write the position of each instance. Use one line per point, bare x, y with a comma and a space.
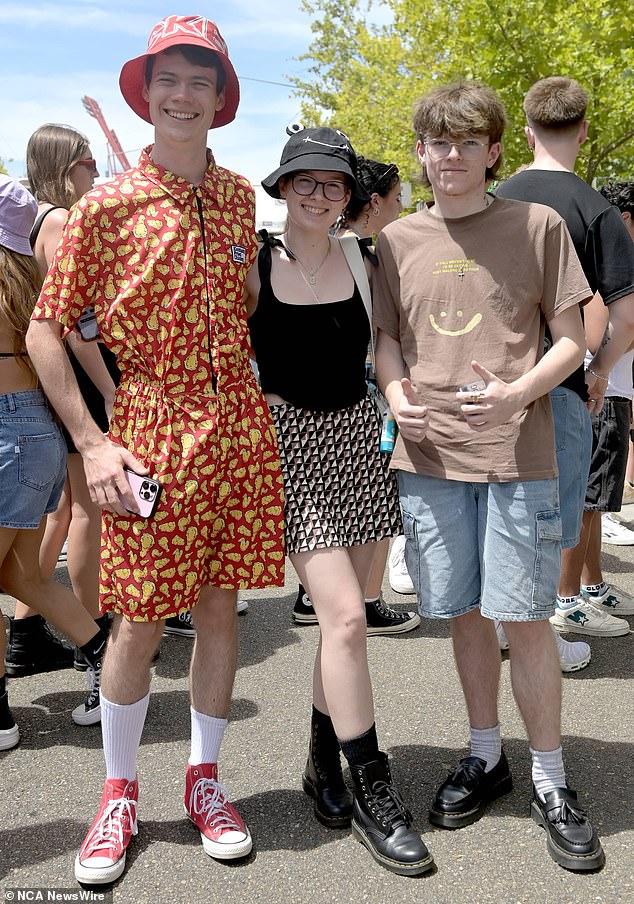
310, 332
555, 110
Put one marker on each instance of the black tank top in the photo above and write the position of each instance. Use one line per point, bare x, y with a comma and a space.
313, 356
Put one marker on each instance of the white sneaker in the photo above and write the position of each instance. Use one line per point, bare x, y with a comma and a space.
614, 532
242, 606
398, 575
615, 600
573, 655
586, 618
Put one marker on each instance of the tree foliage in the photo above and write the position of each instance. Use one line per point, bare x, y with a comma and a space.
2, 167
365, 78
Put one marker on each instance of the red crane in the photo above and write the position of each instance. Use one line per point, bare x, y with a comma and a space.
117, 160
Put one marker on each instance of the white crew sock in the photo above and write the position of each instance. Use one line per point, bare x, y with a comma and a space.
207, 735
548, 770
121, 728
567, 602
486, 743
595, 589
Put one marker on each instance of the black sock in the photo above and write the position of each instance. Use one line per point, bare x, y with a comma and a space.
361, 750
105, 622
95, 648
3, 685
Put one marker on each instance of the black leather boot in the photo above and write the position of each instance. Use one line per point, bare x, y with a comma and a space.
33, 648
382, 823
323, 779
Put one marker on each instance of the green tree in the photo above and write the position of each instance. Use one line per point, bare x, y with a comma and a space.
365, 78
2, 166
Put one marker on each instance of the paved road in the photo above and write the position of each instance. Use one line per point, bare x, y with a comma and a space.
51, 783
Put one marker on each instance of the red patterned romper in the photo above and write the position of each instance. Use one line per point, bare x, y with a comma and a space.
163, 263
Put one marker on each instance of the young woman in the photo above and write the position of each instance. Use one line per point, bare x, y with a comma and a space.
310, 334
61, 170
365, 219
32, 451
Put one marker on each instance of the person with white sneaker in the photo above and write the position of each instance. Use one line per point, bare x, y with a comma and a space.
556, 129
166, 281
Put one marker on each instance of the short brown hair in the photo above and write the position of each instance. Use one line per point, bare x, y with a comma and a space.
555, 103
461, 109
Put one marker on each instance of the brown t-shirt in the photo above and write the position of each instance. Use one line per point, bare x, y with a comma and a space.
480, 288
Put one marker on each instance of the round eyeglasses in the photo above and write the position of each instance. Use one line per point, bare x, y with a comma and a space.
469, 149
306, 185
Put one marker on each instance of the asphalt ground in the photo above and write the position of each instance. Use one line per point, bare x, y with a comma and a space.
51, 783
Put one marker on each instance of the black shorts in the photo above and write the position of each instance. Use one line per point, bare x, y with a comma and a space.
610, 435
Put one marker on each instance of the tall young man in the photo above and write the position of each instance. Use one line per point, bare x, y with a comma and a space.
556, 129
162, 253
463, 293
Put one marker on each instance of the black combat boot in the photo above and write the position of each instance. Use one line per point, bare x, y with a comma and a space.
33, 648
382, 823
323, 778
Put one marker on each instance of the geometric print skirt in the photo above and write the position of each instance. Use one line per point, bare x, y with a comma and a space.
338, 488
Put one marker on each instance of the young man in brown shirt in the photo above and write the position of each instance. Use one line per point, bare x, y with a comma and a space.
462, 296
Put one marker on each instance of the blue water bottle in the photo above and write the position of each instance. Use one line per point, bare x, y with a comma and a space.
388, 432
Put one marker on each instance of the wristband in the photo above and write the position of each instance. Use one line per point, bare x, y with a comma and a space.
598, 376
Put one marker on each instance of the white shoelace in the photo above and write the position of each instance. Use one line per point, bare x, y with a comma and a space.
109, 829
209, 800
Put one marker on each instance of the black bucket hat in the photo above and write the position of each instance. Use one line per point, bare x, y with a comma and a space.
316, 149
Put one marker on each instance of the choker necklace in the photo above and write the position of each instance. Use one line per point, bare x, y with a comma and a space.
309, 276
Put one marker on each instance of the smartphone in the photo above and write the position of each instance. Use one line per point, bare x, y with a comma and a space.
147, 492
87, 325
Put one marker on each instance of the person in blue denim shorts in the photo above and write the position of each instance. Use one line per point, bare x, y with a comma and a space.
32, 452
462, 295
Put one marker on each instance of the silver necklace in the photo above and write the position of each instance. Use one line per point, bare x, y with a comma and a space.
309, 276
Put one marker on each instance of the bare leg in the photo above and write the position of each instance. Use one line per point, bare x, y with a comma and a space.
54, 535
477, 655
572, 562
377, 570
214, 658
592, 573
341, 680
536, 680
126, 670
20, 576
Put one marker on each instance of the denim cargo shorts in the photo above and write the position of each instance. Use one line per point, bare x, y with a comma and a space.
32, 460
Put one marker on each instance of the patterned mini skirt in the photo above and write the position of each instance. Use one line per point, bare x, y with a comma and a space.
338, 488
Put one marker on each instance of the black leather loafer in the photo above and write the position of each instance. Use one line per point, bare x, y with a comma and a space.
463, 796
572, 842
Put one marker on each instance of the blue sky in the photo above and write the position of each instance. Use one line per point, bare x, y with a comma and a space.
53, 53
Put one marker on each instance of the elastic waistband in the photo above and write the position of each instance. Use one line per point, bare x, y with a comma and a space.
30, 398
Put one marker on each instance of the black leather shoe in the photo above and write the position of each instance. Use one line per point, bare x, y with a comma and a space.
382, 823
572, 842
463, 796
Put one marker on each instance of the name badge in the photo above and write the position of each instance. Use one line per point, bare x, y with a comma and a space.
239, 254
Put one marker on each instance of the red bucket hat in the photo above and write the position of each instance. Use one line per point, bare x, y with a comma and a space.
170, 32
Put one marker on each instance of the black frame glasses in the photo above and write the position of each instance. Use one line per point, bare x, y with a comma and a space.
333, 189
